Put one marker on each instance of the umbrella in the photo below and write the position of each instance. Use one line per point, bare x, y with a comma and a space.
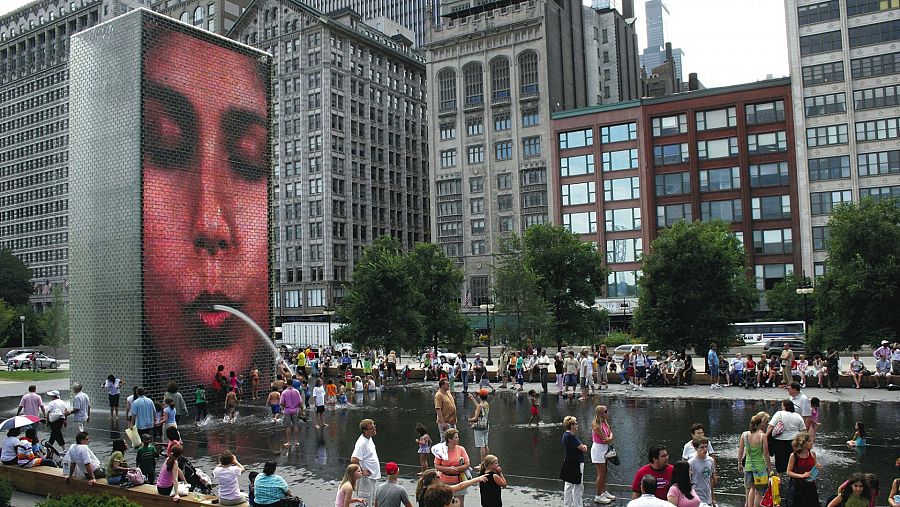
19, 421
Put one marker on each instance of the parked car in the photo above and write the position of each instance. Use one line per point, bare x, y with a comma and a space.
774, 346
621, 350
15, 352
23, 361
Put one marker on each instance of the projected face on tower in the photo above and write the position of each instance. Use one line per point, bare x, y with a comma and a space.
205, 227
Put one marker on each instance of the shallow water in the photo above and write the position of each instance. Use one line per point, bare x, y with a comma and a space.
529, 455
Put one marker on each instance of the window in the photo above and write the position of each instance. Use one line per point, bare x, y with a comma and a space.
883, 162
474, 126
449, 208
867, 35
504, 181
534, 199
499, 78
874, 66
832, 72
536, 176
476, 205
773, 174
667, 216
880, 193
818, 13
292, 298
669, 125
448, 229
502, 121
503, 150
474, 85
824, 136
670, 154
717, 148
720, 179
479, 286
821, 43
821, 203
531, 146
622, 284
576, 139
766, 112
878, 130
449, 187
774, 207
479, 247
624, 250
729, 211
820, 237
673, 184
198, 16
825, 104
506, 224
530, 117
478, 226
529, 220
448, 158
624, 219
528, 72
185, 18
475, 154
857, 7
447, 89
476, 184
829, 168
770, 142
211, 9
580, 223
448, 131
720, 118
579, 193
620, 160
622, 189
575, 166
885, 96
617, 133
315, 186
768, 275
504, 202
773, 241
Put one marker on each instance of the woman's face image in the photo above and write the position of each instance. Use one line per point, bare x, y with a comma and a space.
205, 173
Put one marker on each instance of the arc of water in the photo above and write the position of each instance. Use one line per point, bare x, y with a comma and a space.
259, 331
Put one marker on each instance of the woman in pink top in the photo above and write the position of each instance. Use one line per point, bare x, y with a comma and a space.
681, 494
345, 491
170, 474
453, 466
602, 436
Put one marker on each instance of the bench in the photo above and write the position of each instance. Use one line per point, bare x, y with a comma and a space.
49, 481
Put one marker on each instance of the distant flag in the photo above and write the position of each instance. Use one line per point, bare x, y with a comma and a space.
467, 303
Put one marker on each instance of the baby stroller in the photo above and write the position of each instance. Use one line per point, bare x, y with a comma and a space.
197, 480
654, 377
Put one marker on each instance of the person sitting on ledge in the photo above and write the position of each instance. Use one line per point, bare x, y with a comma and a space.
84, 460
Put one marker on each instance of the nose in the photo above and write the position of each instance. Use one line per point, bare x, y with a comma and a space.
213, 228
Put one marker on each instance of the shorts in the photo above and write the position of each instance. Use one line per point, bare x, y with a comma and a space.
749, 482
481, 438
534, 410
292, 419
571, 380
113, 401
276, 409
641, 371
320, 409
598, 453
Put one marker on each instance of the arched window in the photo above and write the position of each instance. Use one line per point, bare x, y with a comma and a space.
185, 17
447, 85
499, 78
474, 83
528, 72
198, 15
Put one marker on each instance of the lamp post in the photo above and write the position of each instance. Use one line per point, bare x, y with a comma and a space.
624, 316
22, 318
488, 310
805, 291
329, 312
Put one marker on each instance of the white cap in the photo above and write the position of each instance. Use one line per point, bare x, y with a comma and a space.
54, 393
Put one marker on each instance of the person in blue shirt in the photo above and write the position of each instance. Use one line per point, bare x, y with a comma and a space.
142, 413
268, 488
712, 359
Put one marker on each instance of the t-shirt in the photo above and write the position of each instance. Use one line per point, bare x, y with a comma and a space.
456, 457
648, 501
793, 424
82, 403
9, 448
81, 455
856, 366
118, 458
689, 452
56, 410
802, 405
227, 477
391, 494
200, 395
290, 400
702, 471
663, 479
169, 413
447, 405
111, 387
144, 412
269, 489
586, 367
683, 501
712, 359
365, 452
319, 394
571, 366
31, 404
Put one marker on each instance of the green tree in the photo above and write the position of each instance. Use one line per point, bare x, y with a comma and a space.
517, 295
7, 317
694, 285
15, 279
12, 332
571, 279
858, 297
783, 301
54, 322
438, 281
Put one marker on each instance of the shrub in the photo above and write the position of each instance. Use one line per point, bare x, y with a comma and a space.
617, 338
6, 491
88, 500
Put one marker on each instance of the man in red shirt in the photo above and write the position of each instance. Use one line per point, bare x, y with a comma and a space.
658, 467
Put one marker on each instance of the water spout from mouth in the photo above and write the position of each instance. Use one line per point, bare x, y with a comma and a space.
259, 331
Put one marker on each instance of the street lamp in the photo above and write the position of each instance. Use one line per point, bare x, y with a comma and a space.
624, 305
805, 290
329, 312
488, 310
22, 318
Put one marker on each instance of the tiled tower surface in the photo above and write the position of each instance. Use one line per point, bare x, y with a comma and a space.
170, 164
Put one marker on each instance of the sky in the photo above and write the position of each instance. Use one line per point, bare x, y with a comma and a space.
724, 41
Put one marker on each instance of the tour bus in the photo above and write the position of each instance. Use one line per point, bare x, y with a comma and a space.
758, 332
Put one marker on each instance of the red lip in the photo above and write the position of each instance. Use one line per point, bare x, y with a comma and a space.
212, 320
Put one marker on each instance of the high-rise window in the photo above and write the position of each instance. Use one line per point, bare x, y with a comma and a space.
872, 98
578, 165
624, 250
829, 168
821, 43
617, 133
624, 219
818, 13
878, 33
667, 216
874, 66
821, 105
669, 125
579, 193
769, 142
673, 184
528, 72
878, 130
773, 174
670, 154
877, 163
474, 83
716, 119
832, 72
765, 112
499, 78
503, 150
620, 160
773, 241
775, 207
447, 89
580, 223
576, 138
717, 148
531, 146
827, 135
729, 211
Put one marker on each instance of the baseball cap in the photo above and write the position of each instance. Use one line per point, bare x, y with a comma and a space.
391, 468
482, 392
53, 393
884, 342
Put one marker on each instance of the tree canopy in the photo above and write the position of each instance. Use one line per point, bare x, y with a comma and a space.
858, 297
785, 304
694, 285
15, 279
517, 296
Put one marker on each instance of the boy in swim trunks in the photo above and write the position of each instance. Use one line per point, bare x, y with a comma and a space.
274, 402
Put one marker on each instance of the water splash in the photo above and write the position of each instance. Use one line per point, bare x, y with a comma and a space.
279, 361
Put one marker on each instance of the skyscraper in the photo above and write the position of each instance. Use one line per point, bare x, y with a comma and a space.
411, 14
654, 54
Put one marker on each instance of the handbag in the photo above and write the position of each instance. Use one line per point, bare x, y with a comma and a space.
778, 429
612, 456
183, 489
134, 436
135, 477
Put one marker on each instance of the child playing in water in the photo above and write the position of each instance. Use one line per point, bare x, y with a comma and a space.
274, 402
231, 403
813, 418
535, 415
348, 378
342, 396
424, 442
330, 394
858, 440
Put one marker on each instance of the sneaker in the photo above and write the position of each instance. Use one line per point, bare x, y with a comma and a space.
640, 388
602, 500
607, 495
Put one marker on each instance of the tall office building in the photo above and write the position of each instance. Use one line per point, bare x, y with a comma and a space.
612, 47
349, 143
410, 14
217, 16
496, 72
654, 54
845, 63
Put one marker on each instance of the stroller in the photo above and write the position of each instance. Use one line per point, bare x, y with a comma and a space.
654, 377
198, 481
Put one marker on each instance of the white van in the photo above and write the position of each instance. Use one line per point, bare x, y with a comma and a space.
621, 350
